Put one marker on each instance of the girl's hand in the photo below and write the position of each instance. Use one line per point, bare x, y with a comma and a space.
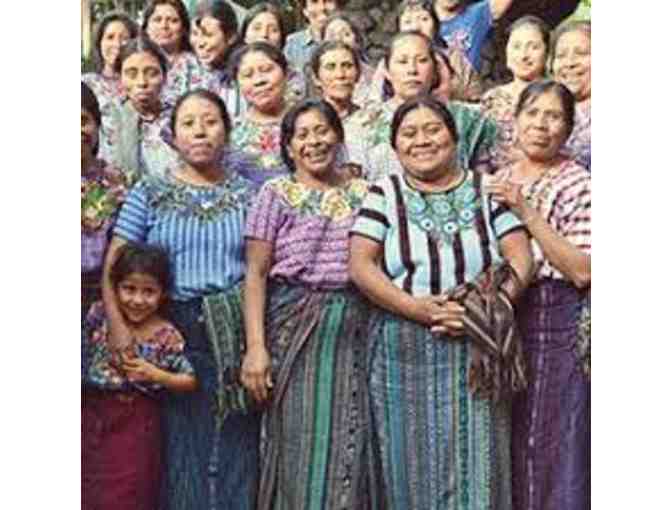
450, 320
140, 370
256, 373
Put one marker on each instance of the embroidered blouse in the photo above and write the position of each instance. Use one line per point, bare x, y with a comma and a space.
434, 242
308, 229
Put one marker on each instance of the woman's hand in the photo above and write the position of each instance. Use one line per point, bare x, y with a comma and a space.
140, 370
510, 194
426, 308
256, 373
450, 320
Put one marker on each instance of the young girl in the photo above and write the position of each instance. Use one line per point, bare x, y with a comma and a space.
121, 434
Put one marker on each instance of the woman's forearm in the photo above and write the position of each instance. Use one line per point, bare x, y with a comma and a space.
120, 334
563, 255
180, 383
376, 285
255, 305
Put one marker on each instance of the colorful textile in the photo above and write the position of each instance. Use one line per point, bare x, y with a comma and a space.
434, 242
299, 47
367, 139
315, 454
109, 93
199, 227
163, 349
468, 31
578, 145
436, 445
499, 105
562, 197
262, 143
138, 147
551, 420
183, 75
211, 463
121, 451
308, 229
103, 188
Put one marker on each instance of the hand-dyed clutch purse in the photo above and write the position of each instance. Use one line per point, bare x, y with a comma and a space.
224, 323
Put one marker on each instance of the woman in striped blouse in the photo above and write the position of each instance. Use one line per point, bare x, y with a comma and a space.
196, 214
418, 237
551, 195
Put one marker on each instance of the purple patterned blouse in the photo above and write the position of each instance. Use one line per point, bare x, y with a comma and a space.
308, 229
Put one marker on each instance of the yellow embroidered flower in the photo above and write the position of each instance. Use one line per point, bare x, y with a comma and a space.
294, 192
359, 187
334, 205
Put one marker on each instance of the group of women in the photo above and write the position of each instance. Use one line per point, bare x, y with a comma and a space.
310, 281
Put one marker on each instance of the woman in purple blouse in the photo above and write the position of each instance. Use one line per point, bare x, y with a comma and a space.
305, 340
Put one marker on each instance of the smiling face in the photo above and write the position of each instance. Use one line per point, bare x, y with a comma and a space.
417, 18
209, 40
89, 132
114, 37
526, 53
141, 79
425, 146
317, 12
340, 30
411, 68
541, 127
337, 75
200, 132
139, 296
164, 27
314, 144
262, 81
265, 27
571, 65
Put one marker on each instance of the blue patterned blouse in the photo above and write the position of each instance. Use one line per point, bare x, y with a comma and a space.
201, 228
434, 242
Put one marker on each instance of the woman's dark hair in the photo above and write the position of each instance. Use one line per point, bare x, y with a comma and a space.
182, 13
537, 23
423, 101
288, 126
535, 89
141, 44
348, 18
425, 5
328, 46
339, 3
388, 91
111, 17
228, 22
90, 104
565, 28
208, 96
141, 258
269, 50
260, 9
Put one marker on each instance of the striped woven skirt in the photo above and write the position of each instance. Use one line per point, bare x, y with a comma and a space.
210, 464
551, 420
315, 431
436, 447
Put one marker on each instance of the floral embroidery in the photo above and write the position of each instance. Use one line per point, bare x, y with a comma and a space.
102, 193
163, 350
443, 215
204, 203
260, 141
336, 203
